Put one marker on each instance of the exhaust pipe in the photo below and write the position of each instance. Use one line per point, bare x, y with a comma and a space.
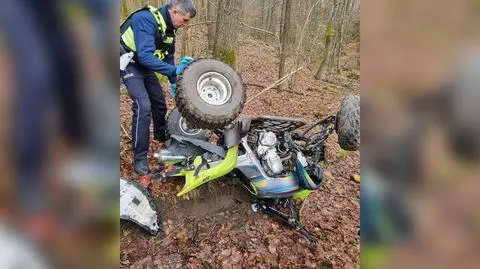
167, 157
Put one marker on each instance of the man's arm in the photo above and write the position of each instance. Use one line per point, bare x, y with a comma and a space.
145, 27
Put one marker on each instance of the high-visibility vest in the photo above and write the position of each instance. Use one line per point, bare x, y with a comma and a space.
163, 43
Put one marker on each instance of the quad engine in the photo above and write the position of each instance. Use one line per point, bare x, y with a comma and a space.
268, 153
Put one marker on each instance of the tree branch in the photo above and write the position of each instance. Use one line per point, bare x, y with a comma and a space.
200, 23
261, 30
125, 132
255, 84
275, 84
257, 29
297, 51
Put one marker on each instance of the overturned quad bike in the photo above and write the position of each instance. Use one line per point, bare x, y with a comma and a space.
275, 162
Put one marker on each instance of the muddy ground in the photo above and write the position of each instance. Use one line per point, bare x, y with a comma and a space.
214, 226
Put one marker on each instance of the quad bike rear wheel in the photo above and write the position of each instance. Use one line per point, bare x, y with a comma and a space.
210, 94
178, 125
348, 123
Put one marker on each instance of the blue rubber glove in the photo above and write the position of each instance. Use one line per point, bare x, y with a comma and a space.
181, 66
174, 89
183, 63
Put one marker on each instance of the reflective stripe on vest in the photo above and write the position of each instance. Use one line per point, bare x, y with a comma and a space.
128, 37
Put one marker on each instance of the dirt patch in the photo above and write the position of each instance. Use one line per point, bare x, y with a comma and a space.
224, 194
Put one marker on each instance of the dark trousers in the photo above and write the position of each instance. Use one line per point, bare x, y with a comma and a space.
148, 103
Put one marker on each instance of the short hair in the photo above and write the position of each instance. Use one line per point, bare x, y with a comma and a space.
185, 6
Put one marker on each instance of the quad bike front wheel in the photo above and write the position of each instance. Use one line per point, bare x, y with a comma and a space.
210, 94
178, 125
348, 123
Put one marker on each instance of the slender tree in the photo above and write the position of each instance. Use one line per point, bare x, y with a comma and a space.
212, 6
341, 27
227, 30
284, 40
186, 43
329, 36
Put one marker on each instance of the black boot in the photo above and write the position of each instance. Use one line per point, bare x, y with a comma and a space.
141, 167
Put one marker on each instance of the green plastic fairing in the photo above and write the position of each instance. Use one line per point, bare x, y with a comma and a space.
204, 176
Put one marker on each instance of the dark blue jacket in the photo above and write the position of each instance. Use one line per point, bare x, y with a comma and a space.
145, 29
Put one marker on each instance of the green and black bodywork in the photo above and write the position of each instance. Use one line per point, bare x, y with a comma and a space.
239, 158
235, 153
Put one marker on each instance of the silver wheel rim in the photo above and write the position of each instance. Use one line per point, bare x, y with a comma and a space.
184, 126
214, 88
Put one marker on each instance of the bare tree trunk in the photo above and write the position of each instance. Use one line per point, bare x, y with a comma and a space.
336, 23
300, 40
270, 18
242, 10
273, 17
329, 35
313, 42
277, 18
331, 60
228, 26
264, 19
267, 19
211, 16
186, 42
341, 32
282, 19
283, 50
198, 6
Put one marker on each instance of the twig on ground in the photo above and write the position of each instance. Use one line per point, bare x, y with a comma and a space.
194, 229
125, 149
125, 132
209, 232
330, 89
299, 93
256, 85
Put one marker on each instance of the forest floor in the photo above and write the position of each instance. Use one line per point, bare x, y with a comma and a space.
214, 226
